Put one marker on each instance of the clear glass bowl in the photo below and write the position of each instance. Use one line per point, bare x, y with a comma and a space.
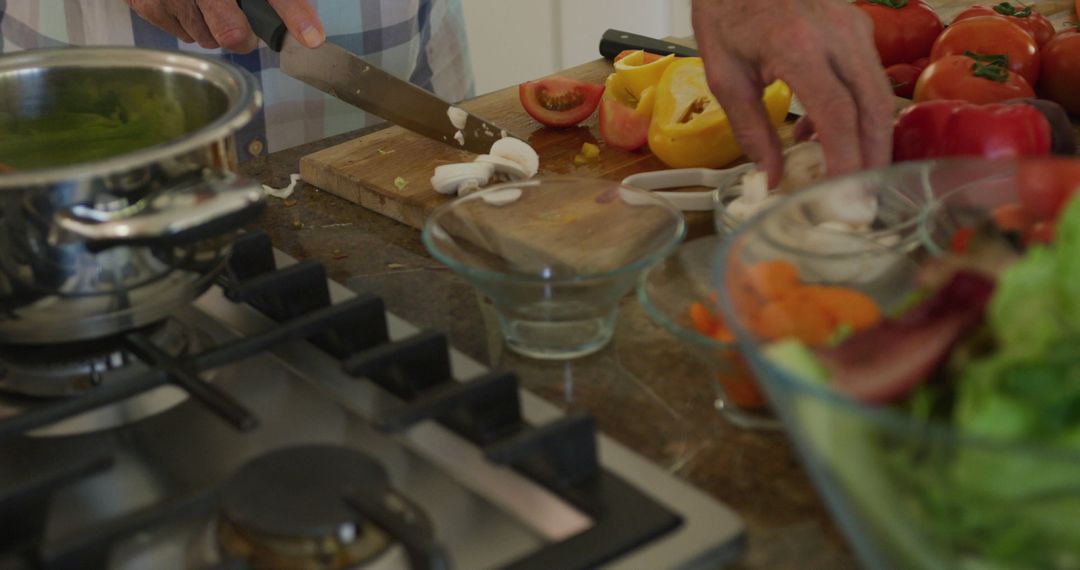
666, 292
900, 203
555, 256
908, 493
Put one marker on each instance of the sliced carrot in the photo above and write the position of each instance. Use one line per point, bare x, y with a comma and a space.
1012, 218
796, 316
771, 280
723, 334
740, 388
845, 305
703, 319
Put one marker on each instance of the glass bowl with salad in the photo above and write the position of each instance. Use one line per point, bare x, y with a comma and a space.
934, 393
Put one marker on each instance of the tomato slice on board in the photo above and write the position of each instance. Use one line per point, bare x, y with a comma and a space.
1044, 185
560, 101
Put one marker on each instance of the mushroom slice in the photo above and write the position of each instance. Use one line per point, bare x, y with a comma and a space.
511, 169
450, 178
518, 151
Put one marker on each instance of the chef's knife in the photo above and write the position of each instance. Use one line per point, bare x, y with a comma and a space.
615, 42
344, 75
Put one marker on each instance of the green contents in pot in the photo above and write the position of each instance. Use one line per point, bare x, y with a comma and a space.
78, 116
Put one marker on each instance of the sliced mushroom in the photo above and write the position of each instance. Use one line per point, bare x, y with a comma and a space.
450, 179
504, 166
518, 151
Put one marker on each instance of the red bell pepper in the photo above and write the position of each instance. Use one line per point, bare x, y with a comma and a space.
938, 129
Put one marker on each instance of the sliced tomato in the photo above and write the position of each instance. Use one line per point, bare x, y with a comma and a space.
1044, 185
648, 57
560, 101
623, 126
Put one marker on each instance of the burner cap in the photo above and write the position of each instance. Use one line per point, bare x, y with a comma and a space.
299, 491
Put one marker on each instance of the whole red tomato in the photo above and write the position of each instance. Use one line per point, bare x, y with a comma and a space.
963, 78
904, 30
1060, 80
903, 76
1024, 16
991, 35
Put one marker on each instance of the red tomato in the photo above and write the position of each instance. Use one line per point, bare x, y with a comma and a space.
955, 77
559, 101
991, 35
649, 56
903, 77
1044, 185
904, 30
1060, 80
623, 127
1024, 16
922, 63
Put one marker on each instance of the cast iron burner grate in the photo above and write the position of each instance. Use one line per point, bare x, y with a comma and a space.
561, 456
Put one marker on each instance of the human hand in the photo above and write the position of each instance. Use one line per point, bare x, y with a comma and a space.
221, 23
824, 50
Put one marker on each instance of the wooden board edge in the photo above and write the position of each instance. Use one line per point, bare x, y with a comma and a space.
356, 192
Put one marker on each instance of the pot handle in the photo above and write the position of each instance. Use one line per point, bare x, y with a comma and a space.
213, 204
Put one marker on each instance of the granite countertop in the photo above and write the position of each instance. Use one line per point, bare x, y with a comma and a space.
646, 389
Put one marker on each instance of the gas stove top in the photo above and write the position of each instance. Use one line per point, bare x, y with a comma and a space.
286, 422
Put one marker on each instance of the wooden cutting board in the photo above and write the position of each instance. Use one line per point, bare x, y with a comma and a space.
363, 170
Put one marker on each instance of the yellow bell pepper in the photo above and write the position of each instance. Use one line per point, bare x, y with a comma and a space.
615, 88
689, 129
638, 72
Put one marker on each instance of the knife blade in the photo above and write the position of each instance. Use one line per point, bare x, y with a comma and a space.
615, 42
345, 76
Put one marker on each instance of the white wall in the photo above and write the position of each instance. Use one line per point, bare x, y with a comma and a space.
516, 40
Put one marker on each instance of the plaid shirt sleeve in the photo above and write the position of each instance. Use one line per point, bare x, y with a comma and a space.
420, 40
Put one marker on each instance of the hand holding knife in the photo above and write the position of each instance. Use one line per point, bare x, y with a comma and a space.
342, 74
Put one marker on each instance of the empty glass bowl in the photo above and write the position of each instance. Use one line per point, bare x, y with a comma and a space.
669, 291
554, 256
908, 493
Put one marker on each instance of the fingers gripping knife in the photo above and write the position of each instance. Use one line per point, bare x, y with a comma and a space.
342, 74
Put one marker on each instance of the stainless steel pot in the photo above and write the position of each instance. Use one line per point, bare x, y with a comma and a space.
123, 202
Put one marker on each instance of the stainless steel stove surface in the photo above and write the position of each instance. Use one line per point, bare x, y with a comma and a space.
330, 462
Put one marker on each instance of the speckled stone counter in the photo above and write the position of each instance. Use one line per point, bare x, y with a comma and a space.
645, 390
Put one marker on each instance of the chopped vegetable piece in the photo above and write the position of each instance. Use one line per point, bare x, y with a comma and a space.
772, 280
589, 150
560, 101
887, 362
794, 316
848, 307
689, 129
703, 320
400, 183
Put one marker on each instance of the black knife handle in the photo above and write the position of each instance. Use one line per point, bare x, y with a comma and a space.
265, 21
615, 42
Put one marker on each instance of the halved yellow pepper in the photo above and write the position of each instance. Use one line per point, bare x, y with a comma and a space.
615, 88
689, 129
636, 73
